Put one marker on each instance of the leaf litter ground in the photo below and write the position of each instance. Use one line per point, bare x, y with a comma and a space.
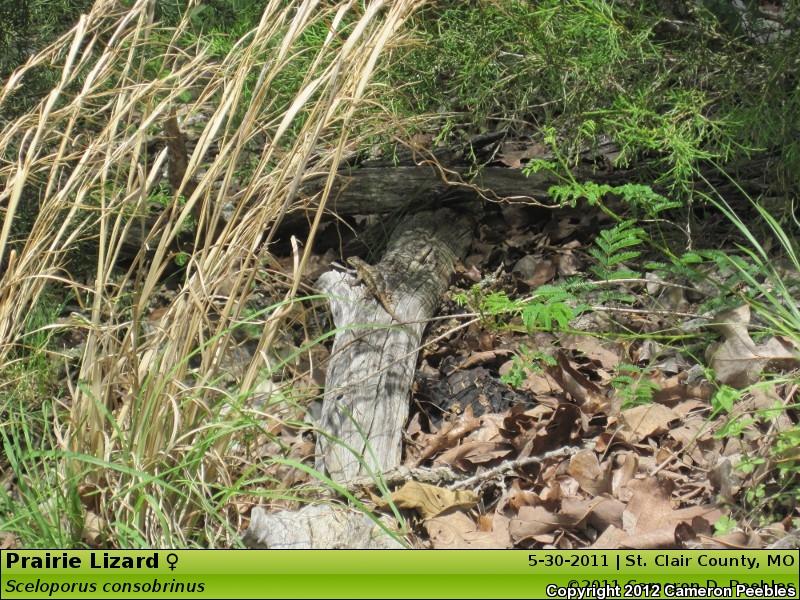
604, 437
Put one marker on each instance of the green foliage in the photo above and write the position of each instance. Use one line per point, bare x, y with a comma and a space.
754, 495
673, 86
550, 305
676, 99
770, 292
223, 20
25, 27
633, 385
613, 248
675, 126
550, 308
502, 60
775, 469
526, 361
723, 400
181, 259
724, 525
639, 199
46, 511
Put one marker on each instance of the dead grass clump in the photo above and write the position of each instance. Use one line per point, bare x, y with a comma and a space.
145, 431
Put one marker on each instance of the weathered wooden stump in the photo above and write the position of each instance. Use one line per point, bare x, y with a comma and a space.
372, 366
365, 405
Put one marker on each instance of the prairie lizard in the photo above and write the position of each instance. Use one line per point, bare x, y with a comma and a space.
371, 278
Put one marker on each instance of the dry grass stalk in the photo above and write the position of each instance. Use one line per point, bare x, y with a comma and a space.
136, 401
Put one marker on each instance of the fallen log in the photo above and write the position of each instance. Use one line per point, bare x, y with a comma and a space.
384, 190
381, 190
369, 375
365, 404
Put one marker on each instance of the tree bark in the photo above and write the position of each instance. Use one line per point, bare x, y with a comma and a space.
381, 190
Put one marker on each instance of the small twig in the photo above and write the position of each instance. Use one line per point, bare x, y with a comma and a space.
440, 475
513, 465
403, 474
664, 463
643, 280
648, 311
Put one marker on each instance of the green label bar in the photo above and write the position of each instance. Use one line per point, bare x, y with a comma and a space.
399, 574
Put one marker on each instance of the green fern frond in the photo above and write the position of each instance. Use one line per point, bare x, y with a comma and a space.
568, 194
496, 303
609, 296
643, 197
610, 250
537, 315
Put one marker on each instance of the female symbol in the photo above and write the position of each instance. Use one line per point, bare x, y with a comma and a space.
172, 560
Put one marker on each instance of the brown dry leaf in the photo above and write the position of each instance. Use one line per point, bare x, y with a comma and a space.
472, 274
517, 497
430, 500
738, 361
610, 539
693, 405
646, 420
693, 436
599, 512
691, 430
606, 354
9, 541
650, 508
545, 271
729, 541
513, 153
586, 393
552, 496
525, 267
414, 427
489, 431
623, 475
457, 531
655, 539
483, 357
449, 435
671, 395
650, 522
539, 383
726, 480
487, 341
532, 521
555, 434
686, 515
472, 453
585, 468
767, 405
568, 264
535, 271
